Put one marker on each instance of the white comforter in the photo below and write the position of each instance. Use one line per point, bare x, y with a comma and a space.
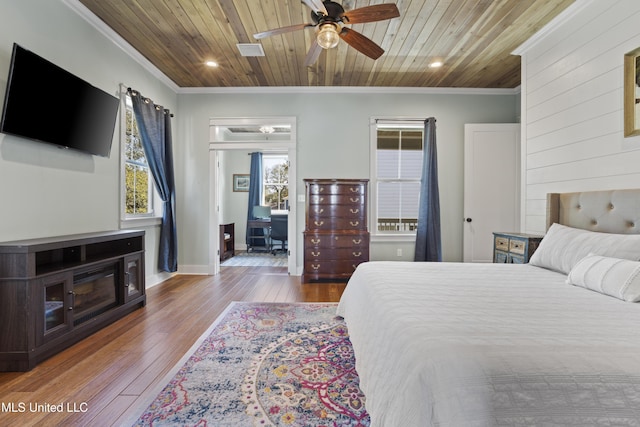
453, 344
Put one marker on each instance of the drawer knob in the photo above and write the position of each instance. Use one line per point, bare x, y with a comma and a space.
354, 223
318, 223
315, 241
354, 189
315, 253
354, 211
357, 254
315, 267
354, 199
319, 210
357, 241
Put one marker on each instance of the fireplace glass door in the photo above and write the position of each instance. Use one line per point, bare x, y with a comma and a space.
54, 310
94, 292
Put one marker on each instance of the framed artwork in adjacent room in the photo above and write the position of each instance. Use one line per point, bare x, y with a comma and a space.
240, 182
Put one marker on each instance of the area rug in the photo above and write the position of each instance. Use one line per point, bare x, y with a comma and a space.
256, 259
265, 364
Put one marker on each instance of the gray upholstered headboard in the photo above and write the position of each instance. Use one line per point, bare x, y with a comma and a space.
609, 211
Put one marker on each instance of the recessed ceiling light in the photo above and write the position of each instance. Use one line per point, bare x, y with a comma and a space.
436, 64
211, 64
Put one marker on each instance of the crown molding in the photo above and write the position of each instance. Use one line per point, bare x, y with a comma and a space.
106, 31
557, 22
349, 89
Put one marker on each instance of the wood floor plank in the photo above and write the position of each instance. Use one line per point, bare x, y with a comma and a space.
112, 373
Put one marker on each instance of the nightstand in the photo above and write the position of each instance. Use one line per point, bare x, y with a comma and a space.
514, 248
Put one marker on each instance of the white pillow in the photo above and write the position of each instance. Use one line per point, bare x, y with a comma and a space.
562, 247
619, 278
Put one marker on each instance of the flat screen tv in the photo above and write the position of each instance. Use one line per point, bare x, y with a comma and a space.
45, 103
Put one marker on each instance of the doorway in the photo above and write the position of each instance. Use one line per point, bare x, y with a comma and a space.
231, 142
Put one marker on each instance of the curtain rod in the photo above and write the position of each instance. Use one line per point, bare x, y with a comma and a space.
133, 91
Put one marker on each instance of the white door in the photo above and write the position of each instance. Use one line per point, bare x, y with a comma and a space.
491, 186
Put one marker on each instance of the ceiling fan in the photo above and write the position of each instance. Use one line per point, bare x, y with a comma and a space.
330, 18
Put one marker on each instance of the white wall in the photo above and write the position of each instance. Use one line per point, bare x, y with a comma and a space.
46, 191
333, 142
572, 106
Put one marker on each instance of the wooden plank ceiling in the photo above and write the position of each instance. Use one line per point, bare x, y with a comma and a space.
473, 38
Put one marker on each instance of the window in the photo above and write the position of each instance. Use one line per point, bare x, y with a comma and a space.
138, 188
276, 181
396, 172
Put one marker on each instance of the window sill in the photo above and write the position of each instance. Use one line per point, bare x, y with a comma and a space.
393, 237
140, 222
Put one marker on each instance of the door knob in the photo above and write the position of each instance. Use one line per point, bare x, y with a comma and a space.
468, 219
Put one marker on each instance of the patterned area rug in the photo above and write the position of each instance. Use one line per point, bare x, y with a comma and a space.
256, 259
266, 364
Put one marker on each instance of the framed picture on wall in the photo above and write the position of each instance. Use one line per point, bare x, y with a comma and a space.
240, 182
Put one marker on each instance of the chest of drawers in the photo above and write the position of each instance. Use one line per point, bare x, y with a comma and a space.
336, 239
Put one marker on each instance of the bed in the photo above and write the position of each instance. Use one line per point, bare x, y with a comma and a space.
555, 342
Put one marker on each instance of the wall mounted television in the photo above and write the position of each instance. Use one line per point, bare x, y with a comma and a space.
43, 102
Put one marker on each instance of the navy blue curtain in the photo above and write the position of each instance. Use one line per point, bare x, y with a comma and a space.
428, 240
255, 198
154, 124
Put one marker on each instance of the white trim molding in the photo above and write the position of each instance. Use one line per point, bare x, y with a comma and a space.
554, 24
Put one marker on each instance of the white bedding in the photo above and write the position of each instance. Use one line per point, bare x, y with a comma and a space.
461, 344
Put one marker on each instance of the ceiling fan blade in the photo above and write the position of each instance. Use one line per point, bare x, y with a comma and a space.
361, 43
313, 54
282, 30
377, 12
316, 6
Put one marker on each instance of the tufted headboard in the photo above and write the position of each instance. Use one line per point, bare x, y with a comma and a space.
609, 211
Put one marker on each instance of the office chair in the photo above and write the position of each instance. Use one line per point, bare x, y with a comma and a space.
279, 231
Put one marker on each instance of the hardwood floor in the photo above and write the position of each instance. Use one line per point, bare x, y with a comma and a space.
104, 379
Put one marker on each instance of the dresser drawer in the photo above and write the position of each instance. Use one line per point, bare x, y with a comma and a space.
337, 267
337, 199
338, 217
517, 246
325, 211
502, 243
356, 253
335, 188
336, 223
336, 240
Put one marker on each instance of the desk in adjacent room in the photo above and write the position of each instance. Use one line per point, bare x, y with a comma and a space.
258, 224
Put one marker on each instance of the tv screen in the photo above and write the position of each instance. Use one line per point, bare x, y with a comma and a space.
45, 103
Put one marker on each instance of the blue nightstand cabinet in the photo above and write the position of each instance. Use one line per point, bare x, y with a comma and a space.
514, 248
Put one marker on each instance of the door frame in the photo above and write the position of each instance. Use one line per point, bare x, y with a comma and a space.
265, 146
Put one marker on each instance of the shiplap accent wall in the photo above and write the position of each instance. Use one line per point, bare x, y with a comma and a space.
572, 106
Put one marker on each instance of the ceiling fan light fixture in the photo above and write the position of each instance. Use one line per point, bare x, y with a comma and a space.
328, 36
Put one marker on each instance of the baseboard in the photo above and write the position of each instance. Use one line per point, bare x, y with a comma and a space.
156, 279
194, 269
